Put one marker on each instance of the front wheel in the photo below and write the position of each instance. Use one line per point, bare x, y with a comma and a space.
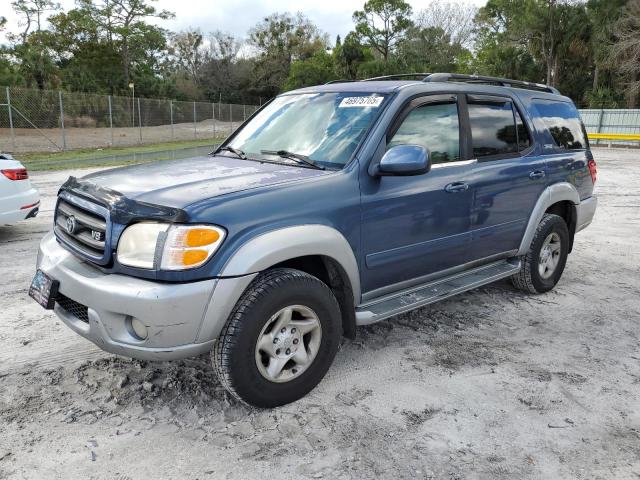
280, 339
544, 263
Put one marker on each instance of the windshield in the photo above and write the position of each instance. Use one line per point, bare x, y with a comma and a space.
324, 127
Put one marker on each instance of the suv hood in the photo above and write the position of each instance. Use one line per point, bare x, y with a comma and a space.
179, 183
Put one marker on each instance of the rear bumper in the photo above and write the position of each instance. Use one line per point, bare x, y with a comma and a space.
585, 210
18, 207
182, 320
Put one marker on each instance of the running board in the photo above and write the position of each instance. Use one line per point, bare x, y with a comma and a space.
432, 292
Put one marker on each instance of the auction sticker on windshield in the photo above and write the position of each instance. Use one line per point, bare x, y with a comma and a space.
360, 102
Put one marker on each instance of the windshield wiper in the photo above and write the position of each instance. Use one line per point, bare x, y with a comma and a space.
294, 156
239, 153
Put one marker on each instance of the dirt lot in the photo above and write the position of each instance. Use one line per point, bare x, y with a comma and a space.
490, 384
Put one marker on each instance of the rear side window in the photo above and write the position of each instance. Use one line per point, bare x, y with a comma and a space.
563, 122
497, 129
435, 126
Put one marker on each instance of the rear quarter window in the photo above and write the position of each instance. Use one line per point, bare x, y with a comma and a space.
563, 122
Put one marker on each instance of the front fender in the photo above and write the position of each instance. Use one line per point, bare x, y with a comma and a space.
283, 244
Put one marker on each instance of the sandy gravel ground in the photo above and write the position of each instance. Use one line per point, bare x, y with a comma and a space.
490, 384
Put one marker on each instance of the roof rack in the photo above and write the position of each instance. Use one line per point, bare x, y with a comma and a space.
397, 75
339, 81
505, 82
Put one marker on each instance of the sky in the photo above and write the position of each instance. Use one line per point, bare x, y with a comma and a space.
238, 16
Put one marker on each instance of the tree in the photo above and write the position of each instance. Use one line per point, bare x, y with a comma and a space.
280, 39
86, 61
225, 74
348, 56
382, 23
430, 49
36, 63
123, 21
603, 15
626, 51
32, 12
312, 71
549, 32
188, 53
455, 20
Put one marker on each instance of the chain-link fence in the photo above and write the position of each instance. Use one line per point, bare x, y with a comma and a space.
43, 120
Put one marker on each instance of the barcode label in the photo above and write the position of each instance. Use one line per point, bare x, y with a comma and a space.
360, 102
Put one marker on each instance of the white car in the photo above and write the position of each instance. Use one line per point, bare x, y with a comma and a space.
18, 199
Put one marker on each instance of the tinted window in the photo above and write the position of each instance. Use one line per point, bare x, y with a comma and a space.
435, 127
563, 123
493, 127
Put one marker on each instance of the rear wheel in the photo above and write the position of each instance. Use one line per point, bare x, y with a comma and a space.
280, 339
544, 263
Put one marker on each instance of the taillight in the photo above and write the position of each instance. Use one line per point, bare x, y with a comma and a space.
593, 170
15, 173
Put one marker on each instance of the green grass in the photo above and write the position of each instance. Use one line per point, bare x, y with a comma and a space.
109, 156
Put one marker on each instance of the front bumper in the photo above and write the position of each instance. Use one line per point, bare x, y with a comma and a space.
182, 320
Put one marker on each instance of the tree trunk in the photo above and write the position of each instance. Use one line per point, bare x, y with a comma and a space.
125, 62
549, 63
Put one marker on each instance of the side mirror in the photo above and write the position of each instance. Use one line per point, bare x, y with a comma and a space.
405, 160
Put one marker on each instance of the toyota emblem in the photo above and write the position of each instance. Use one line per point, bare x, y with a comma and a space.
71, 224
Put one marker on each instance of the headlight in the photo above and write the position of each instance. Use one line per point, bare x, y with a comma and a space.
138, 244
168, 247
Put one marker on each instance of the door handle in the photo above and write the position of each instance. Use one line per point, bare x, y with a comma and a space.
456, 187
536, 174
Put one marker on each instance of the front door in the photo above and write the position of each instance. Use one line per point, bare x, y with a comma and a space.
417, 226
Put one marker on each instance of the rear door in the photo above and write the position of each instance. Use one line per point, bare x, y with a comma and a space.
508, 177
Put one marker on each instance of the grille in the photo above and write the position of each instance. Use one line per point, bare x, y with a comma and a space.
81, 312
82, 229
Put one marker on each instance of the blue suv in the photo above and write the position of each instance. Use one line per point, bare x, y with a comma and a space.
331, 207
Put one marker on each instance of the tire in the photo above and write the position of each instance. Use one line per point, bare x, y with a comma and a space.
538, 275
243, 356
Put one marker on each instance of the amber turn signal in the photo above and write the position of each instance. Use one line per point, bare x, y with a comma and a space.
198, 237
